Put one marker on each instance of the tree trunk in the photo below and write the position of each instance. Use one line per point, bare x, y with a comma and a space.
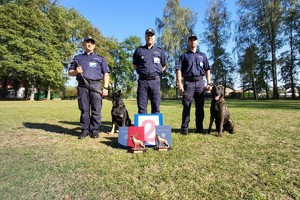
273, 63
32, 93
254, 89
48, 94
4, 87
292, 63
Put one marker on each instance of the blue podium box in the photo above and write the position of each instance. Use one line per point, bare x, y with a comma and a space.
165, 133
123, 137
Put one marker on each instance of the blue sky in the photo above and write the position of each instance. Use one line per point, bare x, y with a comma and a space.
123, 18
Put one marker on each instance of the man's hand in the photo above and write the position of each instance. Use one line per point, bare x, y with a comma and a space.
208, 87
180, 88
79, 69
104, 92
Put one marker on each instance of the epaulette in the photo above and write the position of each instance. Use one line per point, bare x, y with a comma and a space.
160, 48
98, 55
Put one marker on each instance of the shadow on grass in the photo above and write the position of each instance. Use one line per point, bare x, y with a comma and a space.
111, 142
105, 127
70, 123
53, 128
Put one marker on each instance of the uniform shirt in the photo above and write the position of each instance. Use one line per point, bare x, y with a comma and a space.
193, 64
149, 62
93, 66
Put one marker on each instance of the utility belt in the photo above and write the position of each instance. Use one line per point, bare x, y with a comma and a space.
148, 78
81, 82
193, 78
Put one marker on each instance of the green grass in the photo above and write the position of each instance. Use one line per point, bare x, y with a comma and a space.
41, 157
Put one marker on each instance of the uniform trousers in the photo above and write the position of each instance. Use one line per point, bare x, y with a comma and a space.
90, 105
193, 90
148, 89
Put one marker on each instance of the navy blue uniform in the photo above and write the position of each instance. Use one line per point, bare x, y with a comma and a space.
193, 67
149, 64
89, 102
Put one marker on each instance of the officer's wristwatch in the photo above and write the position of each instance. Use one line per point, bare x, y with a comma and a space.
105, 88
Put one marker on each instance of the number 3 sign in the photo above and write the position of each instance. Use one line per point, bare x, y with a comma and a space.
149, 121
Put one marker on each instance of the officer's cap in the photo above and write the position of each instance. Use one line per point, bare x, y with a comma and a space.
150, 30
192, 37
86, 38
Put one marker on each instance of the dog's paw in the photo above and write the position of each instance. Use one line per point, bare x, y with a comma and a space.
110, 133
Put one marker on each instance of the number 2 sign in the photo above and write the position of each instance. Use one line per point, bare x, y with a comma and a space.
149, 122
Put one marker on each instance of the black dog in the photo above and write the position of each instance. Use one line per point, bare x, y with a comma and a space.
219, 111
119, 112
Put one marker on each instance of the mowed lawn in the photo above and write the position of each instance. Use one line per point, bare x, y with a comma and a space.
41, 157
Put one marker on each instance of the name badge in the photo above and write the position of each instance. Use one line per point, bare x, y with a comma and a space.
93, 64
156, 60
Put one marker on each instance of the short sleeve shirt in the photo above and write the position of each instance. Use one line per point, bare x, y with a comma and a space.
149, 62
193, 64
93, 66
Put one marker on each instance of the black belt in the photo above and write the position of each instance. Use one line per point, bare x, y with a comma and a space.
148, 78
89, 81
193, 78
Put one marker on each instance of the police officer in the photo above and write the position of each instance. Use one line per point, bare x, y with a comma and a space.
192, 66
149, 61
93, 68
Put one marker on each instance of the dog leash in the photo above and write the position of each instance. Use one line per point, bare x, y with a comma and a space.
86, 83
89, 87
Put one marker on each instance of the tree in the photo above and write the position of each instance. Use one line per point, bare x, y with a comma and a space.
248, 63
289, 59
27, 51
174, 28
122, 74
128, 47
37, 37
247, 40
218, 26
265, 17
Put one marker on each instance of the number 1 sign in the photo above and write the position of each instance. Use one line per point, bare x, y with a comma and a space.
149, 122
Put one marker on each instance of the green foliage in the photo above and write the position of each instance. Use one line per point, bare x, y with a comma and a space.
37, 37
70, 93
27, 41
30, 47
176, 25
217, 35
264, 20
289, 60
248, 66
122, 75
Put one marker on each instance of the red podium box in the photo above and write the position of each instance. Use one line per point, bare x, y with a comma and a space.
137, 132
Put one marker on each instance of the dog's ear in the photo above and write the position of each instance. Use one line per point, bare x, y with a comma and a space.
119, 92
